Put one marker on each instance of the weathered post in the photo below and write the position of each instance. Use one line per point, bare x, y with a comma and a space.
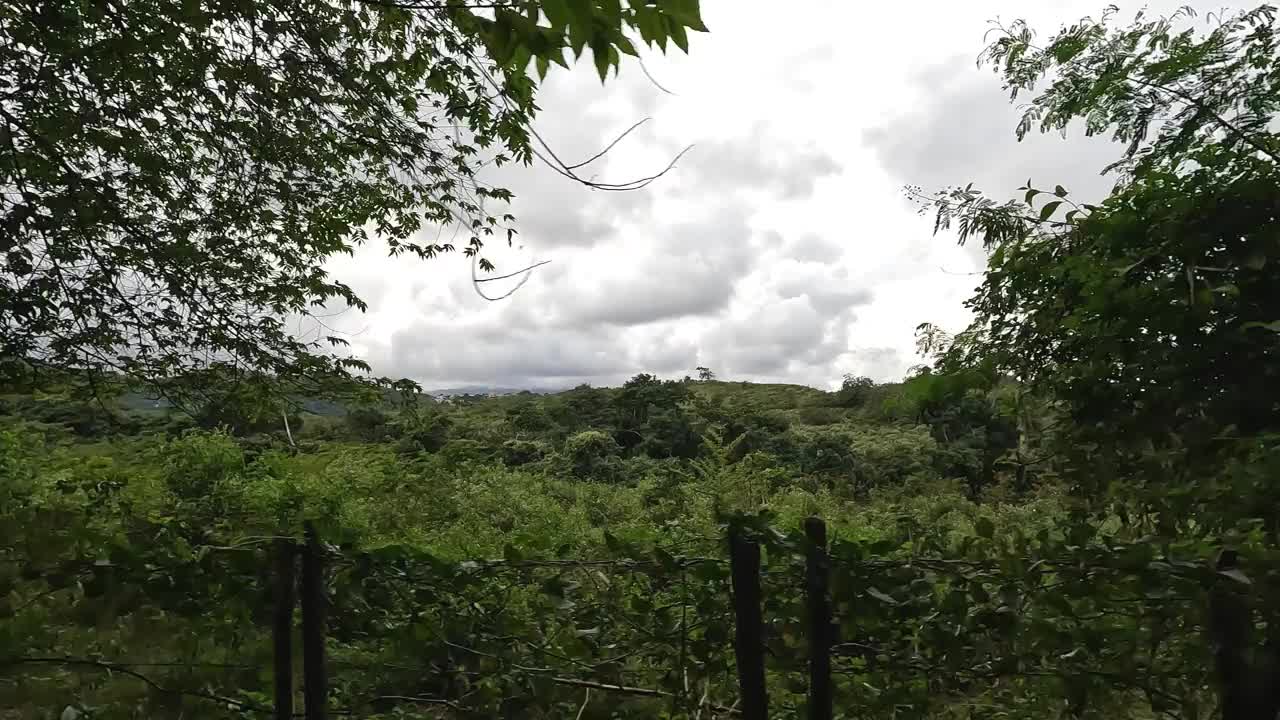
817, 583
315, 680
744, 561
282, 628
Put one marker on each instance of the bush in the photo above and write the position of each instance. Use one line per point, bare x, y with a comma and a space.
197, 466
460, 451
369, 424
748, 442
827, 452
242, 412
589, 454
855, 391
820, 416
427, 430
894, 455
522, 452
84, 418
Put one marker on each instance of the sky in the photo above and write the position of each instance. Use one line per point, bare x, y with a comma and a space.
780, 248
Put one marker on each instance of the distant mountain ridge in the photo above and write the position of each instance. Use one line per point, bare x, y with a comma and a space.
484, 390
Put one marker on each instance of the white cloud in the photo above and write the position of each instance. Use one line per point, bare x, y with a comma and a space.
810, 247
779, 248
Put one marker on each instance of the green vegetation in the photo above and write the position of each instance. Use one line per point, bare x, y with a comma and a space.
148, 540
177, 174
1072, 511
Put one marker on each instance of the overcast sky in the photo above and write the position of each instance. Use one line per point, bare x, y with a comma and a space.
780, 248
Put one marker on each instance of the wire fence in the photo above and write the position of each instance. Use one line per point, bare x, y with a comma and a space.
757, 625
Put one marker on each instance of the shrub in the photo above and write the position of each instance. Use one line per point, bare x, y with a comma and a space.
589, 454
522, 452
820, 416
462, 450
427, 430
197, 468
369, 424
855, 391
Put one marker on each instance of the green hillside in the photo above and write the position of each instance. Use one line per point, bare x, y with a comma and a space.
772, 396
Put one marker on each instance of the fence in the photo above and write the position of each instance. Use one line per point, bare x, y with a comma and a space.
1101, 626
750, 644
745, 563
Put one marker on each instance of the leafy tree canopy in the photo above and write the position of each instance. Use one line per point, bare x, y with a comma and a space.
1152, 316
176, 174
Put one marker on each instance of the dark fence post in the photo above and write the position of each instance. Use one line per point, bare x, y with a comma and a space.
1245, 670
817, 581
315, 681
744, 562
282, 628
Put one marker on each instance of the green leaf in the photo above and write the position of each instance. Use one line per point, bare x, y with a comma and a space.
611, 9
652, 29
1031, 194
1049, 208
881, 596
600, 53
1273, 326
554, 586
984, 528
979, 593
579, 36
1060, 191
686, 11
1237, 575
511, 553
623, 44
666, 560
678, 36
558, 13
581, 12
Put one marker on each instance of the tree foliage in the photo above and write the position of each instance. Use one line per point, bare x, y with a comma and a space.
1150, 315
1145, 323
176, 174
855, 391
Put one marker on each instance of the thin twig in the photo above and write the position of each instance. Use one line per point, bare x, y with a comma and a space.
631, 690
655, 82
608, 147
513, 274
111, 667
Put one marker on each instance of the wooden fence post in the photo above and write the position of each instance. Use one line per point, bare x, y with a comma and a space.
817, 582
1245, 670
744, 562
282, 628
315, 681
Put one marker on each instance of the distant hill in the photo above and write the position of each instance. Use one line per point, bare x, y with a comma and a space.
147, 402
483, 390
768, 395
781, 396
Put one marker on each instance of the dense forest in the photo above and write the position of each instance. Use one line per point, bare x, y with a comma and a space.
1069, 509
